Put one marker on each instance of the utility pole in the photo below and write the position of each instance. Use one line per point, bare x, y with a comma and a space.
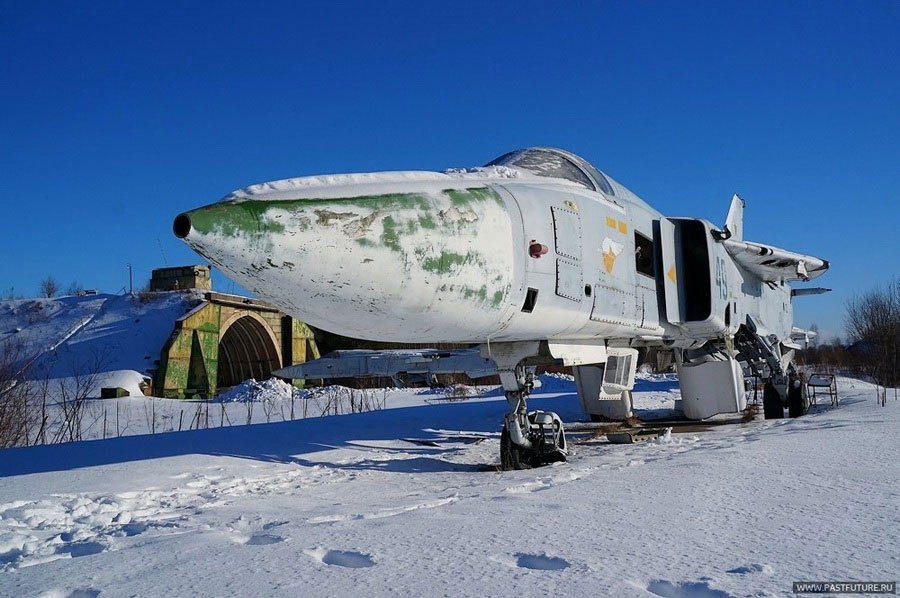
130, 279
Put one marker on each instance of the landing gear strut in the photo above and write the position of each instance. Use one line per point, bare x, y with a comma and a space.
529, 439
784, 385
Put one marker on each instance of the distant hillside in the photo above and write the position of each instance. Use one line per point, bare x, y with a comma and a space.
114, 332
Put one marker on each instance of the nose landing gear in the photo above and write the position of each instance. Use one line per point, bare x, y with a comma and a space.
529, 439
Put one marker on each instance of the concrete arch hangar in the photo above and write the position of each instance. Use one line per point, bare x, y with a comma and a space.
225, 340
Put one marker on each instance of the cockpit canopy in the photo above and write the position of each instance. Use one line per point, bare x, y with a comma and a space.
552, 162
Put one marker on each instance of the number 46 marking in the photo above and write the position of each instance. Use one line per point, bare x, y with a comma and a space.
721, 278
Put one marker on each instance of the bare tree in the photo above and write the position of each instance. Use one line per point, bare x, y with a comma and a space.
457, 392
873, 320
14, 394
832, 356
74, 392
49, 287
74, 288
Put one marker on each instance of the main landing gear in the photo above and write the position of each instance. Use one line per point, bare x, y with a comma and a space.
784, 384
792, 394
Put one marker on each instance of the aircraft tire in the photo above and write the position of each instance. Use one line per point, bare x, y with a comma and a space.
512, 457
773, 408
797, 404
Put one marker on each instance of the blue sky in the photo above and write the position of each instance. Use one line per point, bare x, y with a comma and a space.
114, 117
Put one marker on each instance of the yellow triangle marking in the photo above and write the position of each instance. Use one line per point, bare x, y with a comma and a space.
609, 260
671, 273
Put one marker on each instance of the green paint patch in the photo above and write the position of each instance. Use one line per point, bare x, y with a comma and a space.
448, 260
366, 242
466, 197
470, 293
390, 237
391, 201
497, 299
386, 202
426, 221
235, 218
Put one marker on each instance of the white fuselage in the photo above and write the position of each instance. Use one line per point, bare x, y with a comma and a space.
433, 257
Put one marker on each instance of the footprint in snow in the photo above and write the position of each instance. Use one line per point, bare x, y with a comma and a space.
77, 549
259, 539
541, 562
753, 568
134, 528
249, 532
341, 558
685, 589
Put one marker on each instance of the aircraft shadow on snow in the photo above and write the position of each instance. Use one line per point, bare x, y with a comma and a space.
296, 441
293, 441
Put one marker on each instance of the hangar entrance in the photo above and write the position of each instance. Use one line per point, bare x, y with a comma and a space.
226, 339
245, 351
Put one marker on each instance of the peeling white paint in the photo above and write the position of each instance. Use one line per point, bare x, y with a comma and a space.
454, 214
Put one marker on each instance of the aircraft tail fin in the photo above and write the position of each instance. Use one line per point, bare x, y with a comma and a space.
735, 219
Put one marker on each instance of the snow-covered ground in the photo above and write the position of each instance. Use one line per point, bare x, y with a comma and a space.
347, 505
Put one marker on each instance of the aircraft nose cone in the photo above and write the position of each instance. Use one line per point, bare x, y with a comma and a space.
401, 265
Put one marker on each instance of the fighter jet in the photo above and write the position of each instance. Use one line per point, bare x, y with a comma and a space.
539, 258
